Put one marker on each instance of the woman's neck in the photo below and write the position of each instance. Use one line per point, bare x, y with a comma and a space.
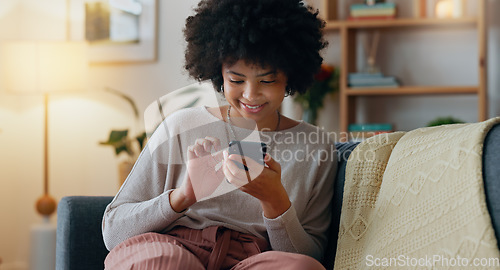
271, 124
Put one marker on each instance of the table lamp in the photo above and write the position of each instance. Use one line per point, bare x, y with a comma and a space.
42, 68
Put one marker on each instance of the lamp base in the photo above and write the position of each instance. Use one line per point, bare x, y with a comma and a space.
43, 246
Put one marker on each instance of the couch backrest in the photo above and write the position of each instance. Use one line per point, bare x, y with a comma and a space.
79, 234
343, 152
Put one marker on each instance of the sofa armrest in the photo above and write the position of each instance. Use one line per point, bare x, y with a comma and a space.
491, 177
79, 234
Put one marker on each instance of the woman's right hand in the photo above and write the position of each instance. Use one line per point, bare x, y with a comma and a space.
204, 174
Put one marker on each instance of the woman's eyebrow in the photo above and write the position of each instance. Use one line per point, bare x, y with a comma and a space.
267, 73
260, 75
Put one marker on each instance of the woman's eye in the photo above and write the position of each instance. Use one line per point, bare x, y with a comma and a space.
267, 81
236, 82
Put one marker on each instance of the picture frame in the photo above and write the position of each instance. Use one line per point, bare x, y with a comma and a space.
144, 49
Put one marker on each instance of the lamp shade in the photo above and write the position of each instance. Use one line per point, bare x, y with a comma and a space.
41, 67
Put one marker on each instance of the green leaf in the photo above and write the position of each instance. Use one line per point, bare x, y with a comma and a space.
118, 139
141, 138
444, 121
117, 136
121, 148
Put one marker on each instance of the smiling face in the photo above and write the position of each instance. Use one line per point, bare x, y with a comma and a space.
254, 93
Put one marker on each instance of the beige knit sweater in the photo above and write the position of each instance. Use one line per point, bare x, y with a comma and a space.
416, 201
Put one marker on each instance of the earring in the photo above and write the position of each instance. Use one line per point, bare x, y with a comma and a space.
222, 88
288, 90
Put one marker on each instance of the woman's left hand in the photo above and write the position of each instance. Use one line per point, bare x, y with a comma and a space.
263, 183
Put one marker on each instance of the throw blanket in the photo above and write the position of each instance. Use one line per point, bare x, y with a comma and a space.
416, 200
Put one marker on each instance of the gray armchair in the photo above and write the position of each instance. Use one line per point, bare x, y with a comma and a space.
79, 235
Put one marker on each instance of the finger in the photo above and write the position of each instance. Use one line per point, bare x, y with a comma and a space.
237, 162
227, 172
255, 168
230, 165
273, 164
204, 143
214, 142
246, 174
190, 152
234, 163
199, 150
232, 178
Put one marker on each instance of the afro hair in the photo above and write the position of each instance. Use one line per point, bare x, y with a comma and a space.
284, 35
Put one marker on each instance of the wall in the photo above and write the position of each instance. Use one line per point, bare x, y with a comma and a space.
78, 121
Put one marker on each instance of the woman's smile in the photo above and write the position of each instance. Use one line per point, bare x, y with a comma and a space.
252, 108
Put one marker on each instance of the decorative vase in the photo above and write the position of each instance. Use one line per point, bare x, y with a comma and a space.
310, 116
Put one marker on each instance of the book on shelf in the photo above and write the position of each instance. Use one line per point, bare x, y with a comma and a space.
356, 75
374, 85
371, 80
376, 80
371, 127
360, 132
373, 7
372, 18
377, 11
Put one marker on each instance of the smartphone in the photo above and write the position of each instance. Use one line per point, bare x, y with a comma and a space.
254, 150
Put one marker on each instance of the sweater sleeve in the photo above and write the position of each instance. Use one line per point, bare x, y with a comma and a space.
143, 202
306, 235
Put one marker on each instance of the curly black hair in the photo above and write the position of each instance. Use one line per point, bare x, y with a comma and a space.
284, 35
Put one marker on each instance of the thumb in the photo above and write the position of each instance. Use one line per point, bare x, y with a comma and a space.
273, 164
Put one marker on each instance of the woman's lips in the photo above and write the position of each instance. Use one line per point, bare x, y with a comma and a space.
252, 108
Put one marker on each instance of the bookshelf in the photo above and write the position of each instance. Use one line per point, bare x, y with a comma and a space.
348, 30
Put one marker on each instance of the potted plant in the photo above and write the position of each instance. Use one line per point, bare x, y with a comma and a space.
325, 81
186, 97
122, 143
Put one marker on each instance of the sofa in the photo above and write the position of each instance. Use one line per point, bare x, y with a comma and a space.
79, 236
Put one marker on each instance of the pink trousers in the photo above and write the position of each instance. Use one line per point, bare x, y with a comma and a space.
212, 248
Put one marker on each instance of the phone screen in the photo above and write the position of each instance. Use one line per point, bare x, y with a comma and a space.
254, 150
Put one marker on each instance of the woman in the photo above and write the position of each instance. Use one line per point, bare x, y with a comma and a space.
187, 204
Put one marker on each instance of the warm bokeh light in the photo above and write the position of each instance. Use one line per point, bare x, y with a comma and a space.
450, 8
41, 67
444, 9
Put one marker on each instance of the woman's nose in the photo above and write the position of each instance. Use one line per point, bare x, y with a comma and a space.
251, 92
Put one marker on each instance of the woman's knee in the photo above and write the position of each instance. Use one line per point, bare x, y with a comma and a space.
280, 260
150, 251
298, 261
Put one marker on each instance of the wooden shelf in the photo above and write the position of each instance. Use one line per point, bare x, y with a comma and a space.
348, 31
412, 90
403, 22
